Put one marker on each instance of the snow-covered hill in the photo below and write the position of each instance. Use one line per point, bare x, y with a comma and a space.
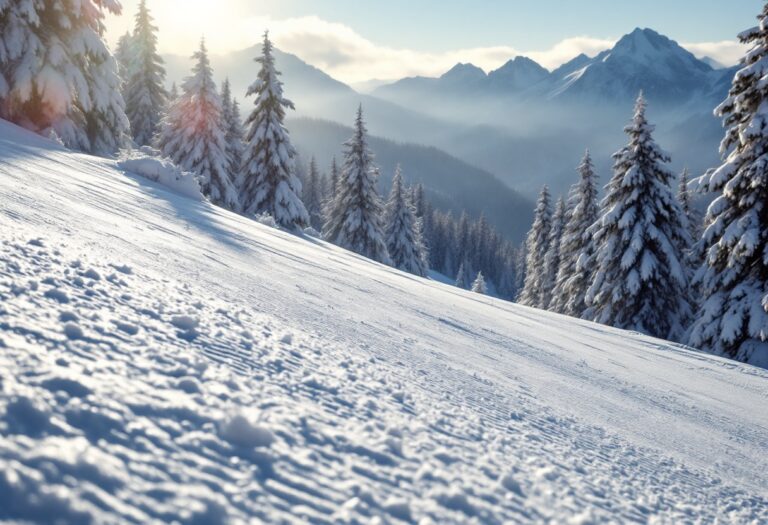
163, 360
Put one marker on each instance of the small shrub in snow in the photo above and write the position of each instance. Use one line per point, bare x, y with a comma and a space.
147, 163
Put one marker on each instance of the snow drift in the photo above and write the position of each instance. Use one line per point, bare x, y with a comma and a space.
164, 360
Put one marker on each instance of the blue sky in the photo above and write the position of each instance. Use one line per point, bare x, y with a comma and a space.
434, 25
363, 40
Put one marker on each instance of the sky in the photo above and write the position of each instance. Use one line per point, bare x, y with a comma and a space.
362, 40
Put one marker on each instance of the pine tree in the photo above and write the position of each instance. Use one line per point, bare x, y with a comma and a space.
576, 248
479, 285
463, 276
234, 134
640, 281
552, 257
537, 246
404, 242
124, 57
145, 95
355, 218
193, 134
57, 75
173, 93
334, 180
733, 320
691, 215
313, 198
270, 185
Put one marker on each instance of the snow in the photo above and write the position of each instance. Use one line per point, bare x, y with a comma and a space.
322, 387
148, 163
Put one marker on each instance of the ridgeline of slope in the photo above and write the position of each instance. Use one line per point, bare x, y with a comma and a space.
164, 360
452, 184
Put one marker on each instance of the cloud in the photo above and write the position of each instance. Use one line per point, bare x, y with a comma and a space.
350, 57
726, 52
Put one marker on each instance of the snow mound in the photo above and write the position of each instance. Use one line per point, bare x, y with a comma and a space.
147, 163
207, 369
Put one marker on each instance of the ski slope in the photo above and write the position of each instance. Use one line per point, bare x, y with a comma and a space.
163, 360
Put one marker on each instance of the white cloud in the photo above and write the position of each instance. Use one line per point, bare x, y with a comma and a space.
727, 52
350, 57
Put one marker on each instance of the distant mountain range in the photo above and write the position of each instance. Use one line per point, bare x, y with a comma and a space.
522, 123
642, 60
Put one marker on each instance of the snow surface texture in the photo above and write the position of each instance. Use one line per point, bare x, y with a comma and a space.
164, 360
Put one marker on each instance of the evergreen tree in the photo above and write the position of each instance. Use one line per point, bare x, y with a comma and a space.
124, 57
270, 184
537, 246
640, 281
355, 218
404, 242
334, 179
733, 320
479, 285
691, 215
173, 94
463, 276
145, 96
576, 248
193, 134
234, 134
520, 258
57, 75
552, 258
313, 198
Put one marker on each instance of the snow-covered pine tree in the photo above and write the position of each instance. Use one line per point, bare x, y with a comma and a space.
479, 285
355, 218
576, 249
463, 276
312, 196
234, 134
537, 246
173, 93
404, 242
733, 320
124, 56
270, 185
640, 281
192, 134
333, 180
330, 187
693, 217
144, 91
552, 257
57, 74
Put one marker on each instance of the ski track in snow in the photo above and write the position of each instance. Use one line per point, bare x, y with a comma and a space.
161, 360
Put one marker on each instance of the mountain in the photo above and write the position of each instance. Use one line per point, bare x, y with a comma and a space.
167, 361
452, 185
517, 75
642, 60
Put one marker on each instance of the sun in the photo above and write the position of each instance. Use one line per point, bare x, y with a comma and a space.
182, 23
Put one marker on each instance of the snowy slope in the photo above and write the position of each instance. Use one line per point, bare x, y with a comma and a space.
161, 360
